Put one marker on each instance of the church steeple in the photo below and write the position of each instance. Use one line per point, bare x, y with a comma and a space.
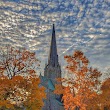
52, 71
53, 57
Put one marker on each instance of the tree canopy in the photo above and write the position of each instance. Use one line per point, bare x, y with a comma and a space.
83, 85
19, 84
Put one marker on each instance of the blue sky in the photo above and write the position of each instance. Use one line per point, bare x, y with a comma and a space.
80, 25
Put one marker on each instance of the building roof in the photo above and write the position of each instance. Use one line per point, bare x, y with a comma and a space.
50, 85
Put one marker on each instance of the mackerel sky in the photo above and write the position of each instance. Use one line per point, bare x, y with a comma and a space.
80, 25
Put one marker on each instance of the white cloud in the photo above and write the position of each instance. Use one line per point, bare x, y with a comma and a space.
79, 25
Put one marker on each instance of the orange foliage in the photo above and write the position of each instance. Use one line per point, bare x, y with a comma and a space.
19, 84
21, 91
16, 62
105, 95
83, 84
102, 102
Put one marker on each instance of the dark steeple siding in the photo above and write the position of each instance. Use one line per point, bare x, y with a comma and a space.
53, 57
53, 69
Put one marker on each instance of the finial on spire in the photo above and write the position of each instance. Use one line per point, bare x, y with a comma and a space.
53, 26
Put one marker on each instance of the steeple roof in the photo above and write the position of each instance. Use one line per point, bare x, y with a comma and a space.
53, 57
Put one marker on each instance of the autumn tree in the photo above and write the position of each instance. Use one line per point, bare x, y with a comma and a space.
17, 61
104, 97
106, 74
19, 84
82, 86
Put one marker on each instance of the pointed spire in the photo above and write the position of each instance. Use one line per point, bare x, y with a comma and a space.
53, 57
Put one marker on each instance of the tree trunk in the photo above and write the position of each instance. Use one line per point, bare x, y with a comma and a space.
77, 108
105, 108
